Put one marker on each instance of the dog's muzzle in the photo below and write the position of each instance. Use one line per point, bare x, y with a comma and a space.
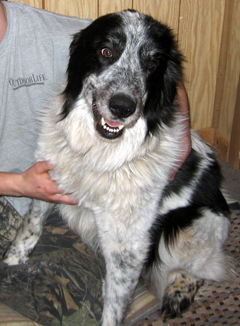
121, 107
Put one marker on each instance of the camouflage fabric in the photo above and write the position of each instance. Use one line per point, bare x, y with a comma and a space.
60, 284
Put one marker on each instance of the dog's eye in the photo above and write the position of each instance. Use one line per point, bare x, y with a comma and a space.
107, 53
150, 65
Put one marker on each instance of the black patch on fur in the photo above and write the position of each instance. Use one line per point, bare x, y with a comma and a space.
184, 175
85, 54
176, 220
207, 194
162, 82
169, 226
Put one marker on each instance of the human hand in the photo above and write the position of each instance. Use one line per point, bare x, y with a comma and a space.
36, 183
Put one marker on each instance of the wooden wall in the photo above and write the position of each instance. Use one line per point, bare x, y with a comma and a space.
208, 33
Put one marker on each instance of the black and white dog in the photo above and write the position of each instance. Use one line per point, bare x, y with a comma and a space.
114, 135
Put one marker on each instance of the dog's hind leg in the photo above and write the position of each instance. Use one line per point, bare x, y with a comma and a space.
29, 233
189, 256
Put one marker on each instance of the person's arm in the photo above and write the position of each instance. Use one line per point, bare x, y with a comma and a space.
3, 21
186, 143
34, 183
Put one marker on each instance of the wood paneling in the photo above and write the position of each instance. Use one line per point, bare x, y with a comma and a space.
234, 148
200, 31
79, 8
167, 11
228, 71
33, 3
106, 6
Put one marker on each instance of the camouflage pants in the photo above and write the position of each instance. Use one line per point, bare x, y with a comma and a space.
60, 284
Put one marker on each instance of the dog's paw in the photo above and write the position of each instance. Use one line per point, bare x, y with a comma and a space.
14, 257
15, 260
179, 295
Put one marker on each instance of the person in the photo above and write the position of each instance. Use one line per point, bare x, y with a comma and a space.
33, 57
34, 46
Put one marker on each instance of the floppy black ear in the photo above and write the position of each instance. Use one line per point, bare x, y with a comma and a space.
162, 83
76, 71
82, 61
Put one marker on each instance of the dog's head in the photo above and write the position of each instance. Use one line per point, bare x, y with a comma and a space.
126, 66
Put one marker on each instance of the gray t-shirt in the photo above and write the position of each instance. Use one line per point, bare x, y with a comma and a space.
33, 59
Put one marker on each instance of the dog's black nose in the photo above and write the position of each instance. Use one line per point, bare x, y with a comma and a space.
122, 106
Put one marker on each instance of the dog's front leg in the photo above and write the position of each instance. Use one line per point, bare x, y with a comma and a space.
123, 268
29, 233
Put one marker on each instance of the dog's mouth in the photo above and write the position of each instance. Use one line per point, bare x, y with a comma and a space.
109, 129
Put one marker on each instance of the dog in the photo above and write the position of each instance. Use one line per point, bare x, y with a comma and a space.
114, 136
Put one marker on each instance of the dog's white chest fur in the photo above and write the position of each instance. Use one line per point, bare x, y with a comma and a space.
117, 183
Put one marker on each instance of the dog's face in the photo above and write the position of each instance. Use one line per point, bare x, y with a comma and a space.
126, 67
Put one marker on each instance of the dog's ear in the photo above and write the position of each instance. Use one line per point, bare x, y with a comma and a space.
162, 84
76, 72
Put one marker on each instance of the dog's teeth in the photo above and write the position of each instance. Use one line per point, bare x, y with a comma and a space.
121, 127
110, 129
102, 121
